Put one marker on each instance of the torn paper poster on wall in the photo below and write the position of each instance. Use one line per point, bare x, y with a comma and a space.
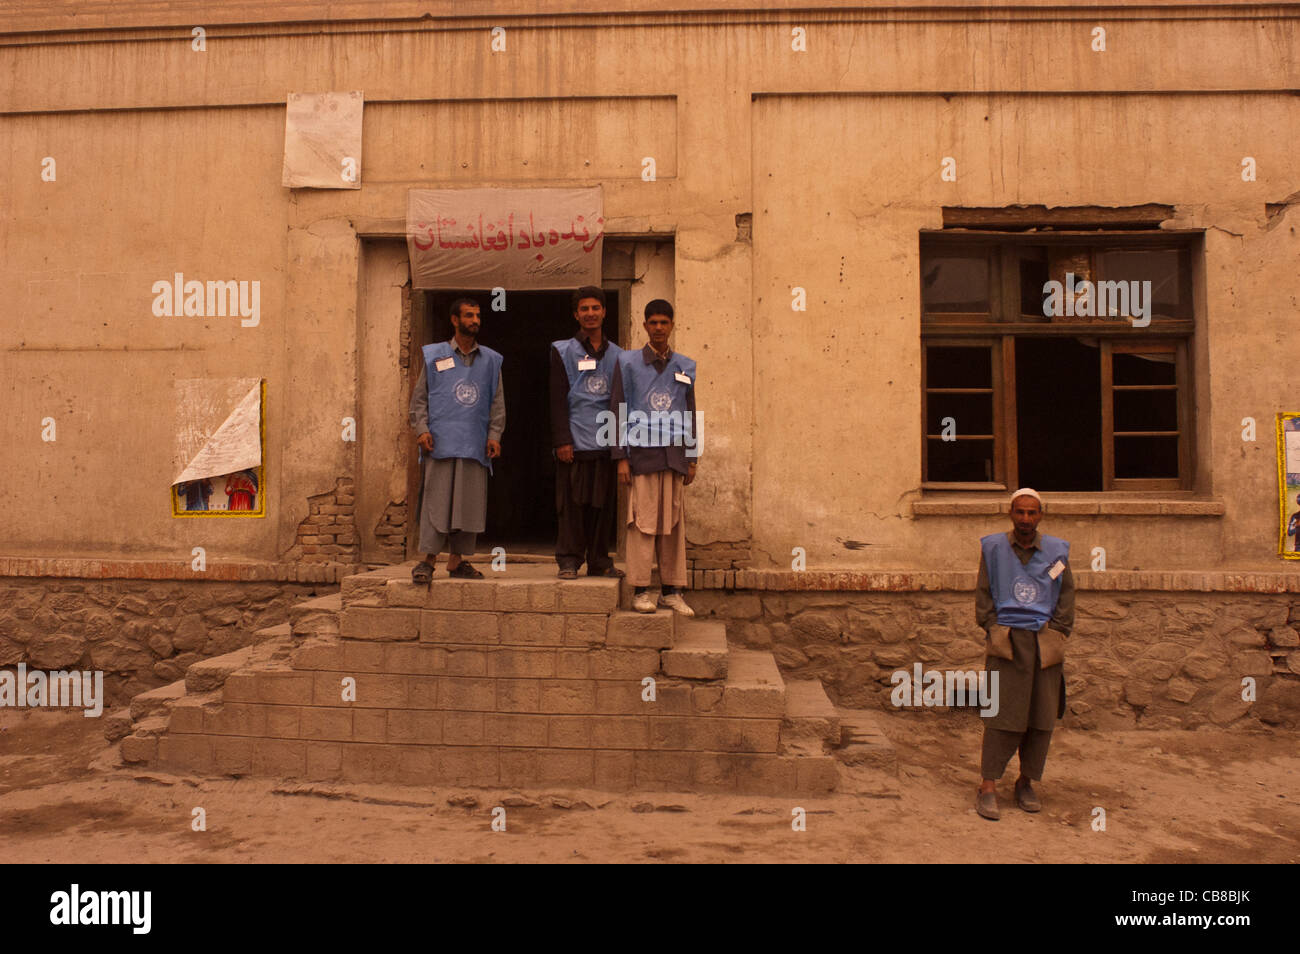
322, 141
218, 462
507, 238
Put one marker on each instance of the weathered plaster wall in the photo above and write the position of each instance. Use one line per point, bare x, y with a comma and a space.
174, 165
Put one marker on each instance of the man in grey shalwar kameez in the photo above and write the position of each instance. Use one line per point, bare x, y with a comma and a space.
458, 412
1024, 600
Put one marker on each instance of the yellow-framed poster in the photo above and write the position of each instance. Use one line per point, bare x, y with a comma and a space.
219, 451
1288, 484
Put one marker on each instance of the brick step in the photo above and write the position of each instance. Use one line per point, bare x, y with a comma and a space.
157, 700
274, 632
208, 674
316, 617
862, 742
753, 686
474, 728
809, 714
655, 630
608, 769
370, 585
518, 662
700, 651
519, 588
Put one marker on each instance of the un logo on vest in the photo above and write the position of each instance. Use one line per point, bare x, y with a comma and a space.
1025, 591
597, 383
467, 393
659, 399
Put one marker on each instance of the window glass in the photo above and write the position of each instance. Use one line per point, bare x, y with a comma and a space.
955, 283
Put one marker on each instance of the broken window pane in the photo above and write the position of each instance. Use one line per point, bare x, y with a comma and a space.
955, 283
1162, 267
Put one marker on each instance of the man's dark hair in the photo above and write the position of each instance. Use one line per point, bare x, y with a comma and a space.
659, 307
455, 306
588, 291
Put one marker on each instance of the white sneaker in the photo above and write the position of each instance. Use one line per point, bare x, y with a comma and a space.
643, 602
675, 603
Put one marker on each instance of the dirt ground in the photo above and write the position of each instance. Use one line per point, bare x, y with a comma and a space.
1205, 796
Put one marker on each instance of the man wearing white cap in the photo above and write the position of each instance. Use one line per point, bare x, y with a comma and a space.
1024, 601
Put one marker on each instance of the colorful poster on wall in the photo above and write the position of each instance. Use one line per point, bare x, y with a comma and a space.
506, 238
218, 453
1288, 480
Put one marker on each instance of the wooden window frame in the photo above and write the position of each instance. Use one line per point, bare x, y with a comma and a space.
1004, 323
1004, 451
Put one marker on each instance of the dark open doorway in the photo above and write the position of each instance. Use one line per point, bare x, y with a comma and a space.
521, 494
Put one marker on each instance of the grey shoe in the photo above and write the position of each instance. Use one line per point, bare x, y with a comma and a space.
986, 803
1026, 797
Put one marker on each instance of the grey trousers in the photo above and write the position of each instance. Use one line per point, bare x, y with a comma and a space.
453, 506
1000, 745
462, 541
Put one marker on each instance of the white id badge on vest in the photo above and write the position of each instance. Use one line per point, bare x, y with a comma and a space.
444, 364
684, 378
1056, 569
586, 364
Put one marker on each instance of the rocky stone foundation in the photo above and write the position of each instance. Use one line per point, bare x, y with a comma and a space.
1135, 660
141, 634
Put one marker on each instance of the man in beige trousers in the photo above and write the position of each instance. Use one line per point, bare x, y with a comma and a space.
656, 449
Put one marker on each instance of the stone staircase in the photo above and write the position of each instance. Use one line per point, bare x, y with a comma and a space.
516, 680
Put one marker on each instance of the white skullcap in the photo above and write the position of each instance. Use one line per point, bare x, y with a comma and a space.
1027, 492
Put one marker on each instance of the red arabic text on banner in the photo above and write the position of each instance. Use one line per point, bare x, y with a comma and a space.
508, 238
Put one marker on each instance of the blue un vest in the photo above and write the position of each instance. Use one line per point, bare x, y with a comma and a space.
659, 397
460, 402
1024, 595
588, 390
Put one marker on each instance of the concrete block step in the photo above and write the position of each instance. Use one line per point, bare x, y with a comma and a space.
282, 631
753, 687
370, 585
316, 617
809, 713
610, 770
642, 630
475, 728
156, 700
863, 744
700, 651
142, 744
518, 588
210, 673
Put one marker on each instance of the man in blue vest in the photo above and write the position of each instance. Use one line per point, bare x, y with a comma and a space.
657, 449
458, 411
582, 372
1024, 600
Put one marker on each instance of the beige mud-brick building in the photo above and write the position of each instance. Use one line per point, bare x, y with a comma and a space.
854, 209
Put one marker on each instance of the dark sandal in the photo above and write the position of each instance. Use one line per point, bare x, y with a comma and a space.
612, 572
422, 573
465, 571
